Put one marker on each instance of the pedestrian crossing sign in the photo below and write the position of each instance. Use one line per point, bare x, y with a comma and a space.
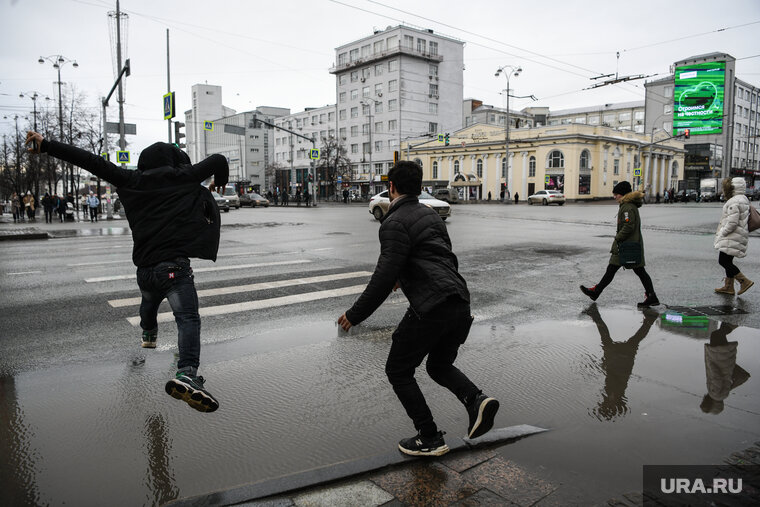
169, 106
440, 138
208, 125
105, 156
314, 154
637, 171
546, 180
122, 157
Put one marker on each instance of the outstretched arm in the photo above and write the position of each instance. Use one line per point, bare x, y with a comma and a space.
215, 165
80, 158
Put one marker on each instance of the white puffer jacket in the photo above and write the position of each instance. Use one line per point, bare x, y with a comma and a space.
733, 234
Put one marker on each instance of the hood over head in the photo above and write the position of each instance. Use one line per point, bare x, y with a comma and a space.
161, 155
622, 188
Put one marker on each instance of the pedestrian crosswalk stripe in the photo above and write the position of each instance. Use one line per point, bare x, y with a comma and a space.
262, 303
202, 270
128, 260
274, 284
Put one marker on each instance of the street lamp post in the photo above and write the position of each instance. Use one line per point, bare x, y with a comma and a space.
508, 71
34, 96
59, 61
371, 116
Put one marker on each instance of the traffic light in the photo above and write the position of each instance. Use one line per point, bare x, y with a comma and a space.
446, 140
179, 135
395, 157
686, 133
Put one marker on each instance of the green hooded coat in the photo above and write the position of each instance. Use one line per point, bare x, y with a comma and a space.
628, 226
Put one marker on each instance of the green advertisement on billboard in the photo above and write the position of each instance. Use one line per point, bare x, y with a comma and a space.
698, 98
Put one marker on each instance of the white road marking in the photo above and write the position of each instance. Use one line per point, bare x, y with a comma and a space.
263, 303
275, 284
129, 260
25, 273
200, 270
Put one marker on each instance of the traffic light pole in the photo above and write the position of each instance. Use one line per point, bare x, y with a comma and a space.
124, 71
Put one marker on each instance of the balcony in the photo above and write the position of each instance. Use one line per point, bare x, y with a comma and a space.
399, 50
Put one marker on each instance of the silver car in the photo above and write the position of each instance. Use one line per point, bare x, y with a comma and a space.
547, 197
379, 204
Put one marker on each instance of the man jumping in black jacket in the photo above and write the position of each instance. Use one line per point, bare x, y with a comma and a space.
172, 217
415, 255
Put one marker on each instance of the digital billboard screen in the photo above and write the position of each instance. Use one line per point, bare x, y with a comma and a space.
698, 98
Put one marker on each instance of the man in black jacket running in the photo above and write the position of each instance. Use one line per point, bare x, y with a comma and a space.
415, 255
172, 217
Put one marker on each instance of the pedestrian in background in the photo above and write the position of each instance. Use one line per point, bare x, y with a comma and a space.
276, 197
285, 198
732, 236
517, 197
628, 230
93, 202
62, 208
187, 226
416, 256
16, 208
29, 205
306, 196
47, 206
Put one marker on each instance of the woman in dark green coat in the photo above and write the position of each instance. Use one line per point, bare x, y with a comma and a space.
629, 231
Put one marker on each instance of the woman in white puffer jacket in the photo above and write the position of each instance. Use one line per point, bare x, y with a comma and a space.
732, 236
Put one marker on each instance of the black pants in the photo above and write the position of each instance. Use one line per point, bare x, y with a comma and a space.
438, 336
727, 261
93, 214
646, 281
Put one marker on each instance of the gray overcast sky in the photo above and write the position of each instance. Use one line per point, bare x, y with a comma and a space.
278, 53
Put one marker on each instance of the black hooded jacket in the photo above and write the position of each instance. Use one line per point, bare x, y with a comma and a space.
170, 213
415, 250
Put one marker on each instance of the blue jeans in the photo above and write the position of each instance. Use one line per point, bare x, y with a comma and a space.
438, 336
173, 280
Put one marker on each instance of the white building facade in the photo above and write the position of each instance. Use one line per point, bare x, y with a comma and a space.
398, 84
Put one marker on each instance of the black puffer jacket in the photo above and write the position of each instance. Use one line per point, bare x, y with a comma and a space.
415, 250
170, 213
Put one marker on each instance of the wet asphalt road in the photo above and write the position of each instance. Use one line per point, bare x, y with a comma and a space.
86, 405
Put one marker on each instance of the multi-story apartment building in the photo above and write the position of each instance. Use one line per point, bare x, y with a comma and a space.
474, 111
619, 116
206, 106
729, 150
291, 153
396, 84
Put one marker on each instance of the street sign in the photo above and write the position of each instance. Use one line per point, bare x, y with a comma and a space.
637, 171
122, 157
113, 128
208, 125
440, 138
169, 106
546, 180
340, 179
105, 156
314, 154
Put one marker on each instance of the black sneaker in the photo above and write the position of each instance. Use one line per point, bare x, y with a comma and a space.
189, 389
424, 446
482, 412
590, 292
149, 339
650, 300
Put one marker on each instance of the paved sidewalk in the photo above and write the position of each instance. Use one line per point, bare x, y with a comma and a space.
38, 229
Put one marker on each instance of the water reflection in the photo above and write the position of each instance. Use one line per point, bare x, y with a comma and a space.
617, 364
160, 480
722, 372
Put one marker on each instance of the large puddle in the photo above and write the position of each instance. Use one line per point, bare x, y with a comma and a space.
620, 388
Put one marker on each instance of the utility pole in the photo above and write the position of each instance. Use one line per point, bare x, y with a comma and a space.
169, 88
122, 141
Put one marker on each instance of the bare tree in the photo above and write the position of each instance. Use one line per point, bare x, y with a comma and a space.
333, 163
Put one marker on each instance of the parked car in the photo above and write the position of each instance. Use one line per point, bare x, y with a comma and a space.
378, 205
687, 195
253, 200
221, 202
752, 193
547, 197
447, 195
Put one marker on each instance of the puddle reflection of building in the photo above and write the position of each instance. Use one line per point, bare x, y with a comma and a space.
617, 364
19, 462
161, 480
721, 371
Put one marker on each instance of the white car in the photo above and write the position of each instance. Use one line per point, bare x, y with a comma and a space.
547, 197
379, 204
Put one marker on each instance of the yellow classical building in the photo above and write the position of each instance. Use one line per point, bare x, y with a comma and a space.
583, 161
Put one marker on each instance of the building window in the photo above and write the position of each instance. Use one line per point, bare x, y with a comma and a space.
580, 119
585, 162
432, 108
365, 92
480, 168
625, 117
342, 79
608, 119
378, 107
667, 109
322, 118
365, 148
378, 126
432, 127
342, 97
408, 41
392, 65
667, 126
638, 115
433, 90
342, 114
638, 128
378, 146
330, 116
365, 129
354, 112
433, 69
391, 125
365, 109
342, 132
392, 85
314, 120
456, 167
354, 94
593, 120
366, 50
354, 130
421, 45
379, 69
435, 169
379, 47
504, 167
616, 166
353, 55
556, 160
354, 76
532, 167
379, 90
392, 104
354, 148
433, 48
342, 58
